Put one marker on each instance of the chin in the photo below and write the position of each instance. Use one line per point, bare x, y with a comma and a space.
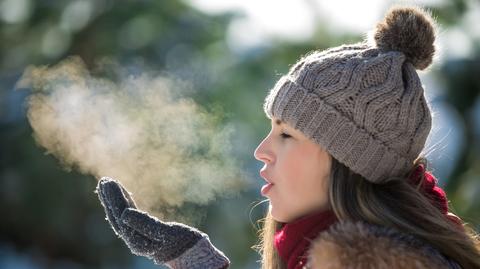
279, 216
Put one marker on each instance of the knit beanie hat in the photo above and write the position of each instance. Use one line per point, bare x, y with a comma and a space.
364, 103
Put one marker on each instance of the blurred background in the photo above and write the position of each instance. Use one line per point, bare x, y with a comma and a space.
231, 52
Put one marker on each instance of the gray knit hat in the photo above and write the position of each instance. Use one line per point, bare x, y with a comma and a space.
364, 103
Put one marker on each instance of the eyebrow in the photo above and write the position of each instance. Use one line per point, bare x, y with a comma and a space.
278, 122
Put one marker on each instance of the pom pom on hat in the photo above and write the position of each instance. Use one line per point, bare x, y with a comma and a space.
409, 30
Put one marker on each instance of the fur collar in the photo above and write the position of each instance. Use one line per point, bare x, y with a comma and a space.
360, 245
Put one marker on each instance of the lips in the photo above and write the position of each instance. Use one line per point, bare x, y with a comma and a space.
266, 188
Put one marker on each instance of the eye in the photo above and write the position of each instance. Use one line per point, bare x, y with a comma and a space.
284, 135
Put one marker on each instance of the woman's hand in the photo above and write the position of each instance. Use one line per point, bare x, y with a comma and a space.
174, 244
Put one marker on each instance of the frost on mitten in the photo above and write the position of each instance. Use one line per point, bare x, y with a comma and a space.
174, 244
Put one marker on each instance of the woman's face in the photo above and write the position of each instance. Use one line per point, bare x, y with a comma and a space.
299, 170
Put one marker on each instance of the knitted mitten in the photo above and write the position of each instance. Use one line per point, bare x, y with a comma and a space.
174, 244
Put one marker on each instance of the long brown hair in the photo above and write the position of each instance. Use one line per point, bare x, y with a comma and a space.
396, 204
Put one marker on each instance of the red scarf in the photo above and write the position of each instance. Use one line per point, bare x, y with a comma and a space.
433, 192
293, 239
429, 188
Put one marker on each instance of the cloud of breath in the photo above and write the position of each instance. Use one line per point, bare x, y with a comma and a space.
164, 148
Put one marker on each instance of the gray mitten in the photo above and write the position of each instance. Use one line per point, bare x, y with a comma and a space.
174, 244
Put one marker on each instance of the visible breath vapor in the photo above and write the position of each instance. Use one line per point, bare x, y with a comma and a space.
167, 150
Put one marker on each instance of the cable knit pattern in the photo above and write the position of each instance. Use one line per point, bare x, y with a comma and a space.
364, 102
202, 255
361, 104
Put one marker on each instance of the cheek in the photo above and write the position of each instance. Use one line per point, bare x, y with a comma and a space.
305, 164
305, 175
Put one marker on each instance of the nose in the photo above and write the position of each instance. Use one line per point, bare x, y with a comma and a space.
263, 153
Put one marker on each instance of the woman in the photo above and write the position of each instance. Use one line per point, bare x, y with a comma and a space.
355, 117
346, 183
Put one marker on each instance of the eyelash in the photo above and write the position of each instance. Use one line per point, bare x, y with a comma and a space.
284, 135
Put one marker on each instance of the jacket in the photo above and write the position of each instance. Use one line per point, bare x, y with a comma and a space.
360, 245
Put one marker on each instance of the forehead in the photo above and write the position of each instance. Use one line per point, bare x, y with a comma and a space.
277, 122
280, 123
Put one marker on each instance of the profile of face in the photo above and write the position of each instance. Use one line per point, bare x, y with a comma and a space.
299, 170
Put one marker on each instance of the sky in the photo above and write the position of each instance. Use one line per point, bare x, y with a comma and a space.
259, 22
